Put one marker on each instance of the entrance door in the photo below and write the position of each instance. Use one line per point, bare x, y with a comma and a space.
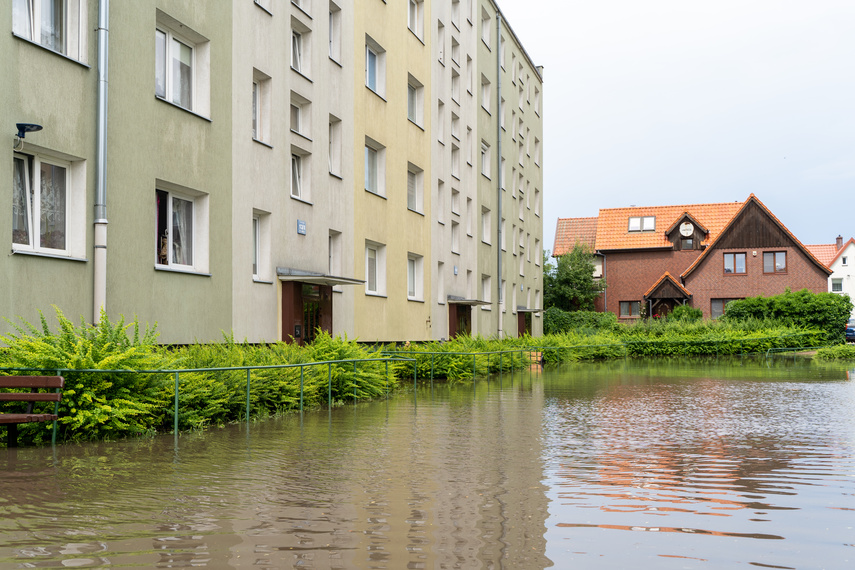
459, 320
306, 308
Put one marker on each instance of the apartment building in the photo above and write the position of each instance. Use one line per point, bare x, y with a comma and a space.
264, 168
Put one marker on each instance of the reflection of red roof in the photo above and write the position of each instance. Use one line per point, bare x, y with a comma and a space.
613, 224
825, 252
571, 231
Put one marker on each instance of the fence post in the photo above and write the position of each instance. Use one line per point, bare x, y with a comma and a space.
248, 374
431, 367
354, 382
387, 379
175, 414
473, 368
329, 386
302, 368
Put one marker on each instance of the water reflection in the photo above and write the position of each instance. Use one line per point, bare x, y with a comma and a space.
624, 464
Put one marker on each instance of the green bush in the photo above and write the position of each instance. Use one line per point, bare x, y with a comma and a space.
686, 313
557, 321
827, 312
839, 352
94, 405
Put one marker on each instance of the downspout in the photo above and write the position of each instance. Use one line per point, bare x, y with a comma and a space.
606, 290
100, 253
499, 330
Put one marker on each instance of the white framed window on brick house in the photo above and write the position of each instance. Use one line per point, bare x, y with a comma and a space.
415, 277
48, 205
642, 224
375, 167
261, 106
182, 65
486, 225
57, 25
375, 66
182, 228
415, 100
335, 145
375, 268
416, 17
485, 159
415, 188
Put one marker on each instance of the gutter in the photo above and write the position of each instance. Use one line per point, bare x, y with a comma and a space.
99, 257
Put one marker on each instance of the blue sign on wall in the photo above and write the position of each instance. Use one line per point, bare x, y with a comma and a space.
301, 227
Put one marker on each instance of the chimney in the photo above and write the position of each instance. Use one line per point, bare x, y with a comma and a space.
839, 243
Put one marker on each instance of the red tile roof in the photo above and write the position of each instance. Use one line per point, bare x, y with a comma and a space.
825, 252
841, 250
571, 231
667, 276
613, 225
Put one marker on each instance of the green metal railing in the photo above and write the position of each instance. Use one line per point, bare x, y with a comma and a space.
177, 376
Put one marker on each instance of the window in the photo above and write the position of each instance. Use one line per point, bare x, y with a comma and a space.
455, 51
502, 173
57, 25
718, 307
182, 229
514, 238
440, 41
502, 113
537, 151
514, 68
455, 13
334, 246
440, 282
537, 202
335, 145
469, 74
301, 47
514, 125
485, 27
455, 126
455, 202
486, 230
182, 65
485, 93
440, 121
302, 5
537, 254
455, 237
375, 167
734, 263
537, 101
335, 32
775, 262
415, 100
440, 201
642, 224
45, 201
375, 66
469, 146
844, 260
260, 244
415, 277
837, 285
469, 214
485, 291
630, 308
301, 115
502, 51
455, 86
415, 17
485, 159
375, 268
260, 106
296, 51
455, 161
296, 176
415, 185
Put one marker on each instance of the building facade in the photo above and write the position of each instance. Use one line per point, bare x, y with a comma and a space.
264, 169
839, 257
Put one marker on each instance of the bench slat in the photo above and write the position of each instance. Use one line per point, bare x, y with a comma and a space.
31, 381
25, 418
30, 397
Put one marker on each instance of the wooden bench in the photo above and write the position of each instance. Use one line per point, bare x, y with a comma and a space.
34, 383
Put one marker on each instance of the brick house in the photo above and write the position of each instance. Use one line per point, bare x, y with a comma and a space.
703, 255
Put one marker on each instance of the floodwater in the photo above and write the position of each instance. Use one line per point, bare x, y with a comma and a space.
626, 464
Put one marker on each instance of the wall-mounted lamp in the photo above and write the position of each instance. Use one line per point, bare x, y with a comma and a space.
23, 129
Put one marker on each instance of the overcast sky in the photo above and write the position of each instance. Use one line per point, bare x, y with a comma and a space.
659, 102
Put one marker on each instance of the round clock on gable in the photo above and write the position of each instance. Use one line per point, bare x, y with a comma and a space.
686, 229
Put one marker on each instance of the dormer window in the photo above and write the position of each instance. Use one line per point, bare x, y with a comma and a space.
642, 224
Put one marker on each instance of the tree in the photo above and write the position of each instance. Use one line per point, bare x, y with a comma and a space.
570, 284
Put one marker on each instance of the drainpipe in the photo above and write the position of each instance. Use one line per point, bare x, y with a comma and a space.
499, 330
606, 290
100, 253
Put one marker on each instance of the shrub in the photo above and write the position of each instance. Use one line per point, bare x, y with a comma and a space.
839, 352
686, 313
557, 321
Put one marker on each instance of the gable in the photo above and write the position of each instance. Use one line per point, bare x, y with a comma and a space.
754, 227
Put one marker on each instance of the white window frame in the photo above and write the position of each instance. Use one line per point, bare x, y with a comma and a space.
455, 237
486, 291
415, 100
375, 251
440, 42
455, 86
198, 234
260, 245
486, 225
837, 285
486, 24
375, 160
485, 93
335, 32
375, 59
415, 188
455, 161
303, 114
73, 210
296, 176
335, 146
440, 121
416, 17
440, 202
297, 51
199, 99
485, 160
28, 23
415, 277
261, 106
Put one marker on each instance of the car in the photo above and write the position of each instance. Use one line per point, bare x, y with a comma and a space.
850, 330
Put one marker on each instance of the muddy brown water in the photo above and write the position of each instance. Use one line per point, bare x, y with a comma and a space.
629, 464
